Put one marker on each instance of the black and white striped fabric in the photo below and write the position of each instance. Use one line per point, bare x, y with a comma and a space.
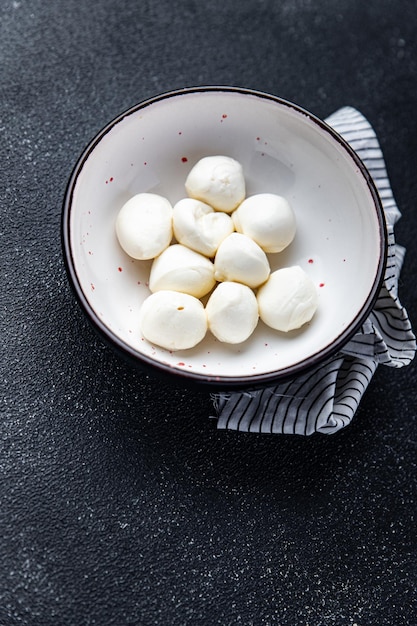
326, 399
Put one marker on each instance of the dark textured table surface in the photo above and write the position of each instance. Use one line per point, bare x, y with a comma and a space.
120, 501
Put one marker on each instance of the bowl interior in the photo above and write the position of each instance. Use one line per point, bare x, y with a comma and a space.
152, 147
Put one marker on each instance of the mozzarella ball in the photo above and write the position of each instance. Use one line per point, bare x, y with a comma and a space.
288, 299
180, 269
173, 320
240, 259
144, 225
218, 181
268, 219
198, 226
232, 312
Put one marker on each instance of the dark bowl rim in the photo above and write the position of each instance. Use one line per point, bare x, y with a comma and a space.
187, 377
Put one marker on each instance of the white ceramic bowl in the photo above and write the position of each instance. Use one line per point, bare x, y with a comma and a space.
340, 239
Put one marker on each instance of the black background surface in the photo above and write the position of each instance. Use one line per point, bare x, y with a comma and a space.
120, 501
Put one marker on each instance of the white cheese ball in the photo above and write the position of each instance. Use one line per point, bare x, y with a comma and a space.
268, 219
288, 299
232, 312
198, 226
218, 181
173, 320
179, 268
239, 259
144, 225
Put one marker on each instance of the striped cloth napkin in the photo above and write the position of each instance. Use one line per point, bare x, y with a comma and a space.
326, 399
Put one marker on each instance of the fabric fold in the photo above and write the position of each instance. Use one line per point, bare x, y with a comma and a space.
326, 399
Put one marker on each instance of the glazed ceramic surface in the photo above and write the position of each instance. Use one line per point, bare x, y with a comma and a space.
340, 238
